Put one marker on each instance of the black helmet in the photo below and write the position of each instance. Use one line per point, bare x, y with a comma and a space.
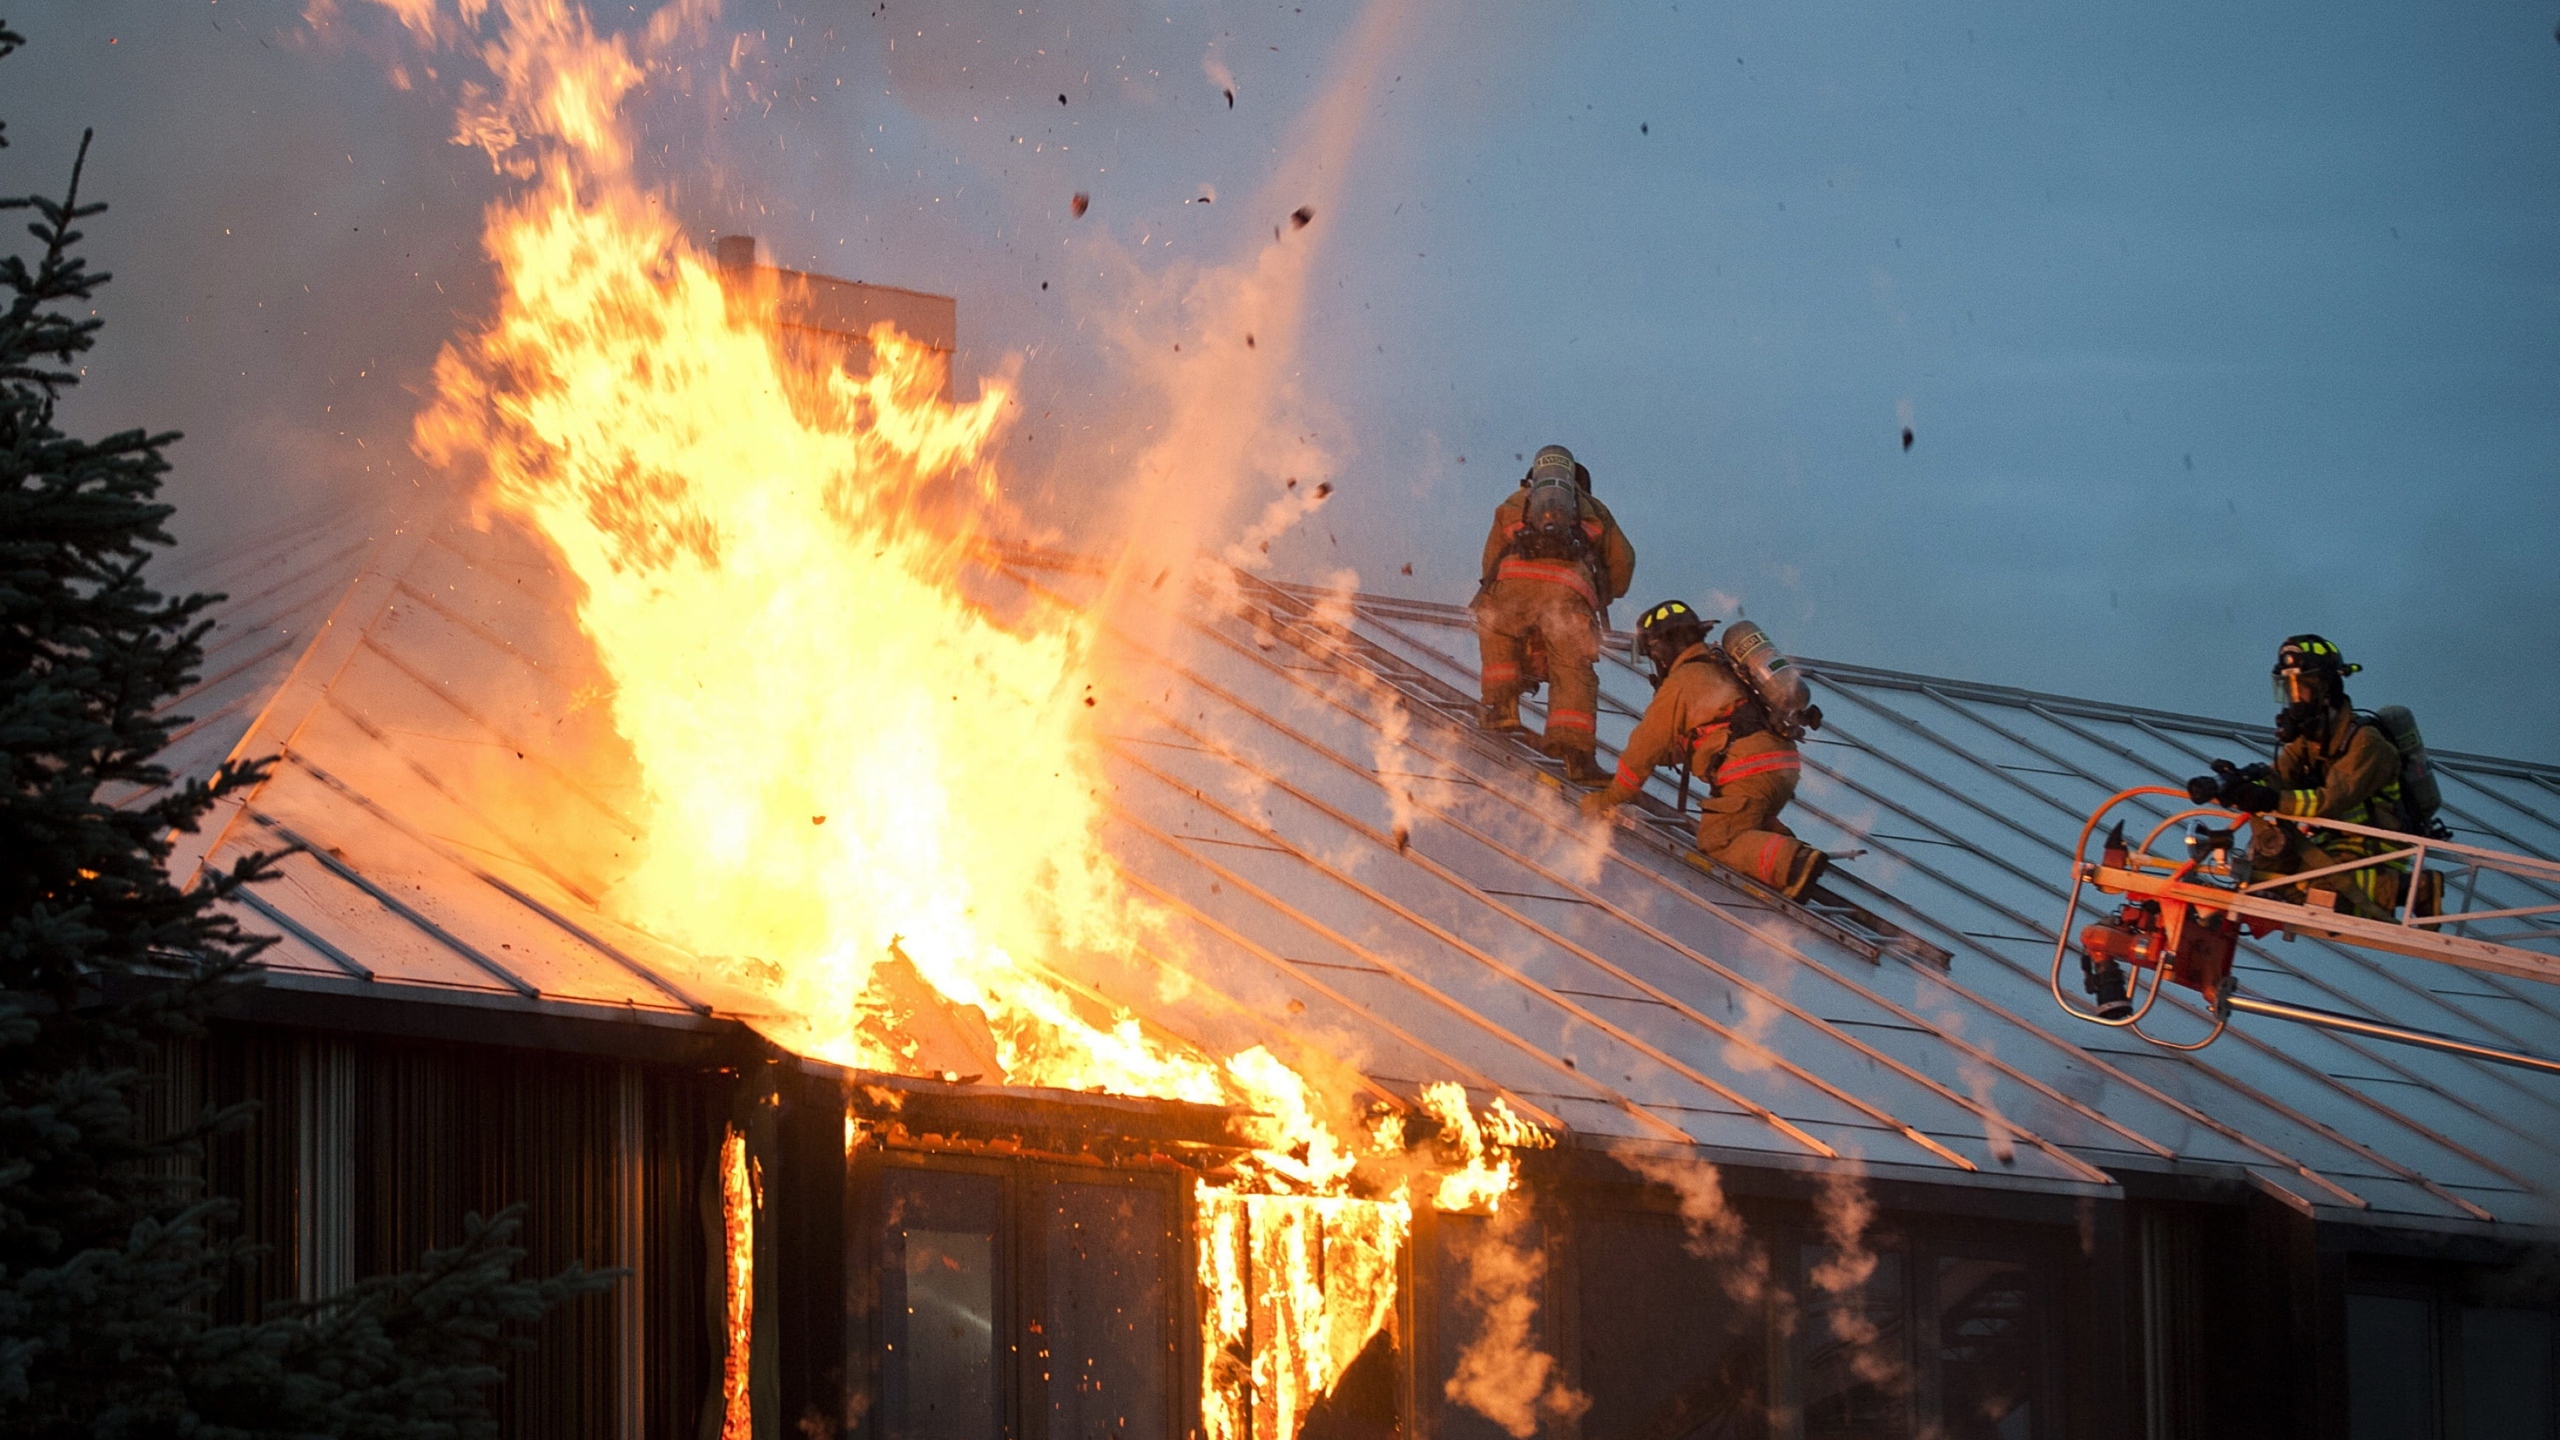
2310, 671
1664, 631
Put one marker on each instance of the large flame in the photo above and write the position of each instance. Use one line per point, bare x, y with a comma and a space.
867, 799
845, 761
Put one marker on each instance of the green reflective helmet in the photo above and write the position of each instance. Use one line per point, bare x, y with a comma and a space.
2310, 671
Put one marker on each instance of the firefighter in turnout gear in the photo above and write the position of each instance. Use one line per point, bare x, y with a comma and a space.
2329, 763
1707, 714
1552, 563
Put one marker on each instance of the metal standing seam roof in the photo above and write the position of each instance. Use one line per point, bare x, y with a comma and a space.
278, 585
1350, 873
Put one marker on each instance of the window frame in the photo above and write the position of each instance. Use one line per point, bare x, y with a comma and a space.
1922, 1240
2448, 1294
1022, 1399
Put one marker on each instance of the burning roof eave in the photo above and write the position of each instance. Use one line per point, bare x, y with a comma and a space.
1072, 1126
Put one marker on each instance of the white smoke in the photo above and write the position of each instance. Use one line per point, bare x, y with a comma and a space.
1234, 420
1845, 1210
1391, 755
1503, 1374
1745, 1047
1979, 1078
1714, 1232
1214, 65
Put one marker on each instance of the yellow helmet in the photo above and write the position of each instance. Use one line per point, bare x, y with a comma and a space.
1665, 630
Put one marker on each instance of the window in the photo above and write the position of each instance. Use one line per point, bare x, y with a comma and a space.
941, 1302
2506, 1374
1018, 1301
1938, 1332
2391, 1367
1856, 1345
1666, 1352
1986, 1343
1105, 1343
1465, 1243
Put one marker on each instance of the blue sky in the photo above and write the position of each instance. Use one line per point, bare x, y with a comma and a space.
2211, 323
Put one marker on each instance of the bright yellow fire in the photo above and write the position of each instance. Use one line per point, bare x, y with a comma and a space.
741, 1192
867, 800
1295, 1287
842, 757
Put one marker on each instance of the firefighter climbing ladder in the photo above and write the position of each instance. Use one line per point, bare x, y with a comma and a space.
2185, 914
1852, 925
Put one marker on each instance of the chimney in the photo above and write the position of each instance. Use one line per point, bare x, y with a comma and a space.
735, 252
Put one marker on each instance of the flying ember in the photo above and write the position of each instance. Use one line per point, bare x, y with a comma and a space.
868, 800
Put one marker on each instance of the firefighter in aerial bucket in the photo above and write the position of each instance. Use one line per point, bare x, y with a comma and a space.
1553, 562
1732, 713
2335, 764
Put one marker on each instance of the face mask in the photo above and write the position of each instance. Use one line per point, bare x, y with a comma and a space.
2293, 687
2303, 719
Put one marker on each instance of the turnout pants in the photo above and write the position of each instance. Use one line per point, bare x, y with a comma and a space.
1507, 614
1738, 824
2276, 848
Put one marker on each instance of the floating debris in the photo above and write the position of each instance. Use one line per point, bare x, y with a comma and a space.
1080, 204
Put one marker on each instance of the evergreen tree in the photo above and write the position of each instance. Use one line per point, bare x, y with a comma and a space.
108, 1255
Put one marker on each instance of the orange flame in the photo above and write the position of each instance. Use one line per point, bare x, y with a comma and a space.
740, 1193
1293, 1289
845, 762
866, 799
1481, 1151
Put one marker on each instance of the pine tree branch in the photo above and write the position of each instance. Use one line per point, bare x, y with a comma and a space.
109, 1249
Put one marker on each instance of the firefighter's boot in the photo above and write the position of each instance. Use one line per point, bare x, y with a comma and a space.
1581, 763
1809, 867
1502, 716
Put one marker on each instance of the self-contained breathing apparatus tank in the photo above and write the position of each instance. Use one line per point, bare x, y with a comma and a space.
1757, 659
1551, 518
2419, 796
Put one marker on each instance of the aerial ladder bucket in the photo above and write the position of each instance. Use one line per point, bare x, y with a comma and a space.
2183, 916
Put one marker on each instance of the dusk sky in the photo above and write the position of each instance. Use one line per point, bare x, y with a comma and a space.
2211, 323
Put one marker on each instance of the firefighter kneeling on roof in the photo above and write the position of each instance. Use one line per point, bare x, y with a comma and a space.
1554, 561
1712, 711
2334, 764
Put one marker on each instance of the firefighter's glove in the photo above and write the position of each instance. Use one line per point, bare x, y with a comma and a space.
1812, 717
2248, 794
2204, 789
1600, 804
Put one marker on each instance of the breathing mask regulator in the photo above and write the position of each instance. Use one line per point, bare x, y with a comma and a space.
1663, 632
2310, 683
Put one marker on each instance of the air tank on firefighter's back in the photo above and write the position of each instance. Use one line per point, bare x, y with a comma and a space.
1753, 653
2419, 793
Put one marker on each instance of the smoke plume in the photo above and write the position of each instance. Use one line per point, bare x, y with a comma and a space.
1715, 1233
1845, 1210
1234, 419
1503, 1374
